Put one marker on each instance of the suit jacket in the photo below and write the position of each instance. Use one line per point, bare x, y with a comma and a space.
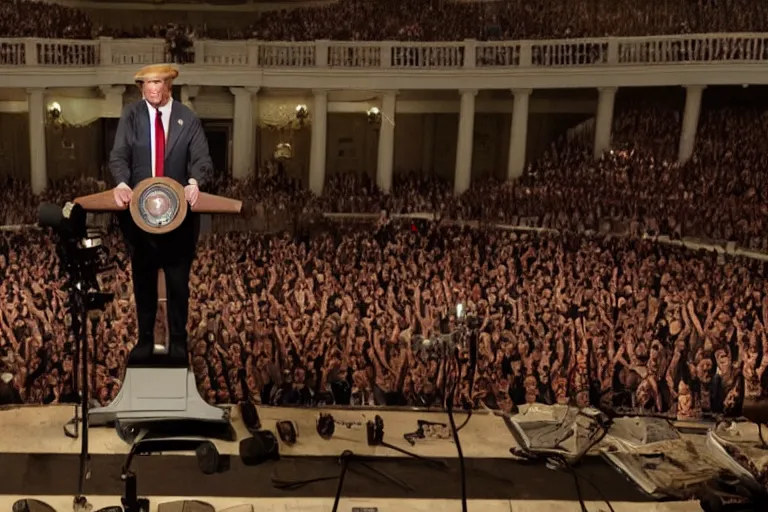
186, 156
186, 150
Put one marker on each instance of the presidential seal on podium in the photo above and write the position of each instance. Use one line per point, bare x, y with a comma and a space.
158, 205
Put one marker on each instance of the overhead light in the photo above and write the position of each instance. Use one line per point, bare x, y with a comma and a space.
54, 114
374, 116
54, 108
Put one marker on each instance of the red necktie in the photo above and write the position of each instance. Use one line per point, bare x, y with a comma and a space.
159, 145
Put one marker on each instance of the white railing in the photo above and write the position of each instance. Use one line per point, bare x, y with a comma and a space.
608, 51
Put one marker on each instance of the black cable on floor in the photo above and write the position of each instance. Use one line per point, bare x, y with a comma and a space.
459, 451
292, 485
595, 487
760, 435
472, 338
462, 471
342, 475
579, 495
466, 420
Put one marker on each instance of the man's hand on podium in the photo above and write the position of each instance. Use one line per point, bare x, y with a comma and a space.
191, 193
122, 194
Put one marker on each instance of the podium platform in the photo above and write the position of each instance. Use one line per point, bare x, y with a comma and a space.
168, 399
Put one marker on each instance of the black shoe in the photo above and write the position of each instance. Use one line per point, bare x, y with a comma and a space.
141, 355
178, 355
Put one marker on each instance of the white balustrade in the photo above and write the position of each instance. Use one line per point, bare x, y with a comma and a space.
343, 54
12, 52
134, 52
286, 55
694, 48
223, 53
590, 52
427, 55
570, 53
498, 54
66, 53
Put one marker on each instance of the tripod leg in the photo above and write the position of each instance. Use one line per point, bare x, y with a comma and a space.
387, 476
426, 460
342, 476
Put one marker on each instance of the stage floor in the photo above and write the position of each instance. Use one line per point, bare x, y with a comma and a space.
37, 460
39, 430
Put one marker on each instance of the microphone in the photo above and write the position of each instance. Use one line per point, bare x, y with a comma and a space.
69, 221
50, 215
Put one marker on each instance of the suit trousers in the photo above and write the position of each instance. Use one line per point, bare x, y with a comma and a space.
174, 253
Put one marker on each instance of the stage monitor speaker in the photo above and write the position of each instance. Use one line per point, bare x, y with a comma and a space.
186, 506
32, 505
263, 446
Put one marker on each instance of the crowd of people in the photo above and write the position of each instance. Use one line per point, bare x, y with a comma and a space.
719, 194
344, 317
20, 18
350, 313
638, 187
413, 21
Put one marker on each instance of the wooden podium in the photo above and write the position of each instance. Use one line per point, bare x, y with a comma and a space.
160, 397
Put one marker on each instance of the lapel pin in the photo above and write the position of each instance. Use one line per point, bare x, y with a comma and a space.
181, 122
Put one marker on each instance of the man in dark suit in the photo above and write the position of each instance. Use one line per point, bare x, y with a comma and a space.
157, 136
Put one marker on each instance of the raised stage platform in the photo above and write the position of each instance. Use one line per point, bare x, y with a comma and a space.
37, 460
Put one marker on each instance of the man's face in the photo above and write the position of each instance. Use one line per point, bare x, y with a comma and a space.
156, 92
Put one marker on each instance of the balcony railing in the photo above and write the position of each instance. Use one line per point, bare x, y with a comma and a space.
608, 51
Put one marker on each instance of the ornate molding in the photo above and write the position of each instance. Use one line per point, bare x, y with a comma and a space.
243, 91
282, 116
111, 90
192, 91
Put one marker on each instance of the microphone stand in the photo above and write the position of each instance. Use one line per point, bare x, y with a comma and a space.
79, 312
81, 261
449, 353
79, 328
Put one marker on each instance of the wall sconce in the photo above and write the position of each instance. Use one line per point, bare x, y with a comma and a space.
374, 116
54, 113
283, 151
301, 113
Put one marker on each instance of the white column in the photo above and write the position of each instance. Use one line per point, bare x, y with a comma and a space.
428, 144
604, 120
386, 157
244, 135
37, 149
693, 95
518, 135
188, 95
463, 173
319, 142
112, 106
